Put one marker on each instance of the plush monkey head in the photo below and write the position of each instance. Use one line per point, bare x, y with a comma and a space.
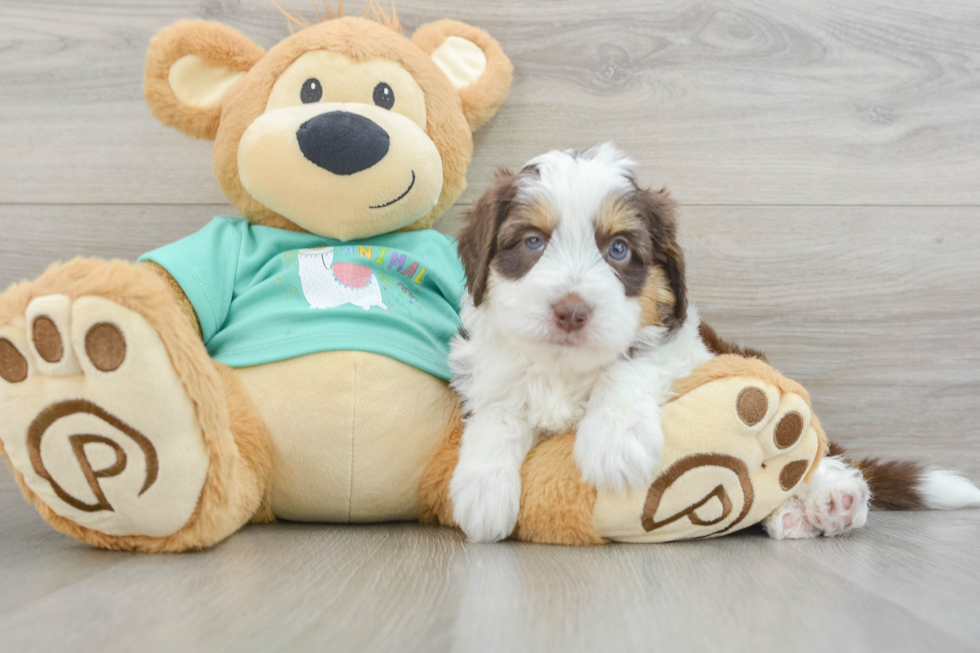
346, 129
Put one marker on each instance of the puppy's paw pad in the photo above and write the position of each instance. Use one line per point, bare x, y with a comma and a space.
837, 510
789, 522
835, 501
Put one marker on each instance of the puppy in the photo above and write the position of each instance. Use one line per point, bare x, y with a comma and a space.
577, 318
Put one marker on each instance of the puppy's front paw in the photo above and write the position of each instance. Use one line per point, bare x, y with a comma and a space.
486, 502
617, 449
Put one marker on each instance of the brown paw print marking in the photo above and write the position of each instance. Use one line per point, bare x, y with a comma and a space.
105, 346
789, 430
751, 405
13, 365
792, 473
47, 340
682, 467
54, 412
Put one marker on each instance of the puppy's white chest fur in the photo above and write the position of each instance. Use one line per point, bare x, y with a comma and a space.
556, 403
492, 375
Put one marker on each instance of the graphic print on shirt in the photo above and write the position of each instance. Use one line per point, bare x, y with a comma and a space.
327, 284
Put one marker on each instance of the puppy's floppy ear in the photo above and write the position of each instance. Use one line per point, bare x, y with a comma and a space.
473, 62
659, 211
478, 240
189, 67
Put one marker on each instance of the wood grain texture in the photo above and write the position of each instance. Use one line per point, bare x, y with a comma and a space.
908, 582
875, 311
798, 102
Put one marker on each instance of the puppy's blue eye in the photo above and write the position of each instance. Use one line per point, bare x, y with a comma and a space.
534, 243
619, 250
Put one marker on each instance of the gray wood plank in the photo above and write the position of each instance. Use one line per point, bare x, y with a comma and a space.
876, 310
923, 551
33, 563
908, 582
39, 235
744, 102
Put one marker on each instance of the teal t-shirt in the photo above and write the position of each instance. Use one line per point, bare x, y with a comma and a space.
264, 295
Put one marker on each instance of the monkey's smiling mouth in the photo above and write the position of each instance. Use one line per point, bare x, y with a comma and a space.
381, 206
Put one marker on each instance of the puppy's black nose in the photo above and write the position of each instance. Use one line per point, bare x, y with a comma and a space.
342, 142
571, 312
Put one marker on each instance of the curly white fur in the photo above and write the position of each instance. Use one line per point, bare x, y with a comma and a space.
521, 379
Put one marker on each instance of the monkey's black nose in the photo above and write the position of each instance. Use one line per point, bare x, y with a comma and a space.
342, 142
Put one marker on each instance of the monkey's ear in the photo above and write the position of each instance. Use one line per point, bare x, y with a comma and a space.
190, 65
473, 62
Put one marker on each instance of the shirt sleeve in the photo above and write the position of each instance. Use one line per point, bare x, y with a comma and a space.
205, 265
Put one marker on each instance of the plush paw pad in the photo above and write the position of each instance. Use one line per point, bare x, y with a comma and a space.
735, 449
96, 420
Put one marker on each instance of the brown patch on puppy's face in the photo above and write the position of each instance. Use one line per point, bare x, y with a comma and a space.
617, 215
636, 233
502, 234
477, 243
670, 293
622, 238
522, 238
572, 236
656, 299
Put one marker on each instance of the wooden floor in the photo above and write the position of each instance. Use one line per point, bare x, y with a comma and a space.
827, 155
909, 582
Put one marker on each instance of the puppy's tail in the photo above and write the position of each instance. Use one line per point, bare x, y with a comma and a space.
904, 485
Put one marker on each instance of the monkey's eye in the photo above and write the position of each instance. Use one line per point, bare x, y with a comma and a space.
619, 250
312, 91
534, 242
384, 97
